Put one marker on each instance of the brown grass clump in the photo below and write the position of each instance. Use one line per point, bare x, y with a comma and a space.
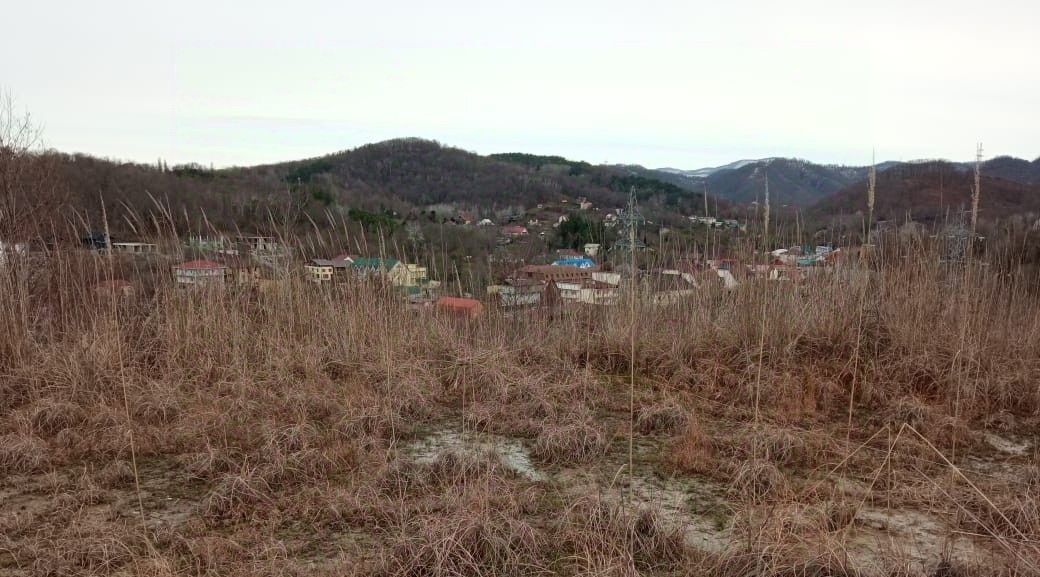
783, 446
117, 474
467, 540
237, 496
759, 480
579, 441
50, 417
23, 453
475, 526
608, 539
666, 418
692, 451
1009, 513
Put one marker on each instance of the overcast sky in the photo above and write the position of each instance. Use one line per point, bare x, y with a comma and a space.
683, 84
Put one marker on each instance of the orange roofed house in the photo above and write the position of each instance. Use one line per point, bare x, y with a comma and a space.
460, 307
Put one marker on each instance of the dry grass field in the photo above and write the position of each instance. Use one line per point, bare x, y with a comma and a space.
876, 420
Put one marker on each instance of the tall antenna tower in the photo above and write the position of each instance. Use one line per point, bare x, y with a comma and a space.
631, 219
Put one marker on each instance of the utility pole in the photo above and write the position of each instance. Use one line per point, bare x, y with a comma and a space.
765, 218
871, 184
976, 191
707, 227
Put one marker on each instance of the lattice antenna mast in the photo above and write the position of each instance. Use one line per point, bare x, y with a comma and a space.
631, 219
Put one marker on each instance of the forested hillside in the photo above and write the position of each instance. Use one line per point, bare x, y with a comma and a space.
791, 181
400, 177
927, 192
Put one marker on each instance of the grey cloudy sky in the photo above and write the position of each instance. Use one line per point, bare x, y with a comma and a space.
684, 84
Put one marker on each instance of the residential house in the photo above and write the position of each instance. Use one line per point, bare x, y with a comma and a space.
323, 271
588, 291
514, 231
425, 293
260, 244
728, 280
459, 307
369, 267
552, 273
568, 253
199, 273
785, 273
576, 262
524, 292
591, 249
670, 287
414, 275
135, 247
395, 272
486, 222
612, 278
584, 204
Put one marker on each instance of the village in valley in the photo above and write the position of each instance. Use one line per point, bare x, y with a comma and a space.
529, 270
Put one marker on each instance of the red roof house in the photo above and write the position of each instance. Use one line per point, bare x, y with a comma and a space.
514, 230
462, 307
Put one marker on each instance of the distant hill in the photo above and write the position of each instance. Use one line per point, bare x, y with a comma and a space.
708, 171
422, 172
1016, 169
411, 175
802, 183
930, 191
659, 190
791, 181
403, 176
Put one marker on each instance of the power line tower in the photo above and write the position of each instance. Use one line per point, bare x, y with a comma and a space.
628, 241
956, 240
631, 219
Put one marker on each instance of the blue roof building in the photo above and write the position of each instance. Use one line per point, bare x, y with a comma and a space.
577, 262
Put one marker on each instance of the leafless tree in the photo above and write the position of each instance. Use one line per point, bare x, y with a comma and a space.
28, 187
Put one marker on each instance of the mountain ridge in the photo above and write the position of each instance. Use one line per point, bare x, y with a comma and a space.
408, 175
